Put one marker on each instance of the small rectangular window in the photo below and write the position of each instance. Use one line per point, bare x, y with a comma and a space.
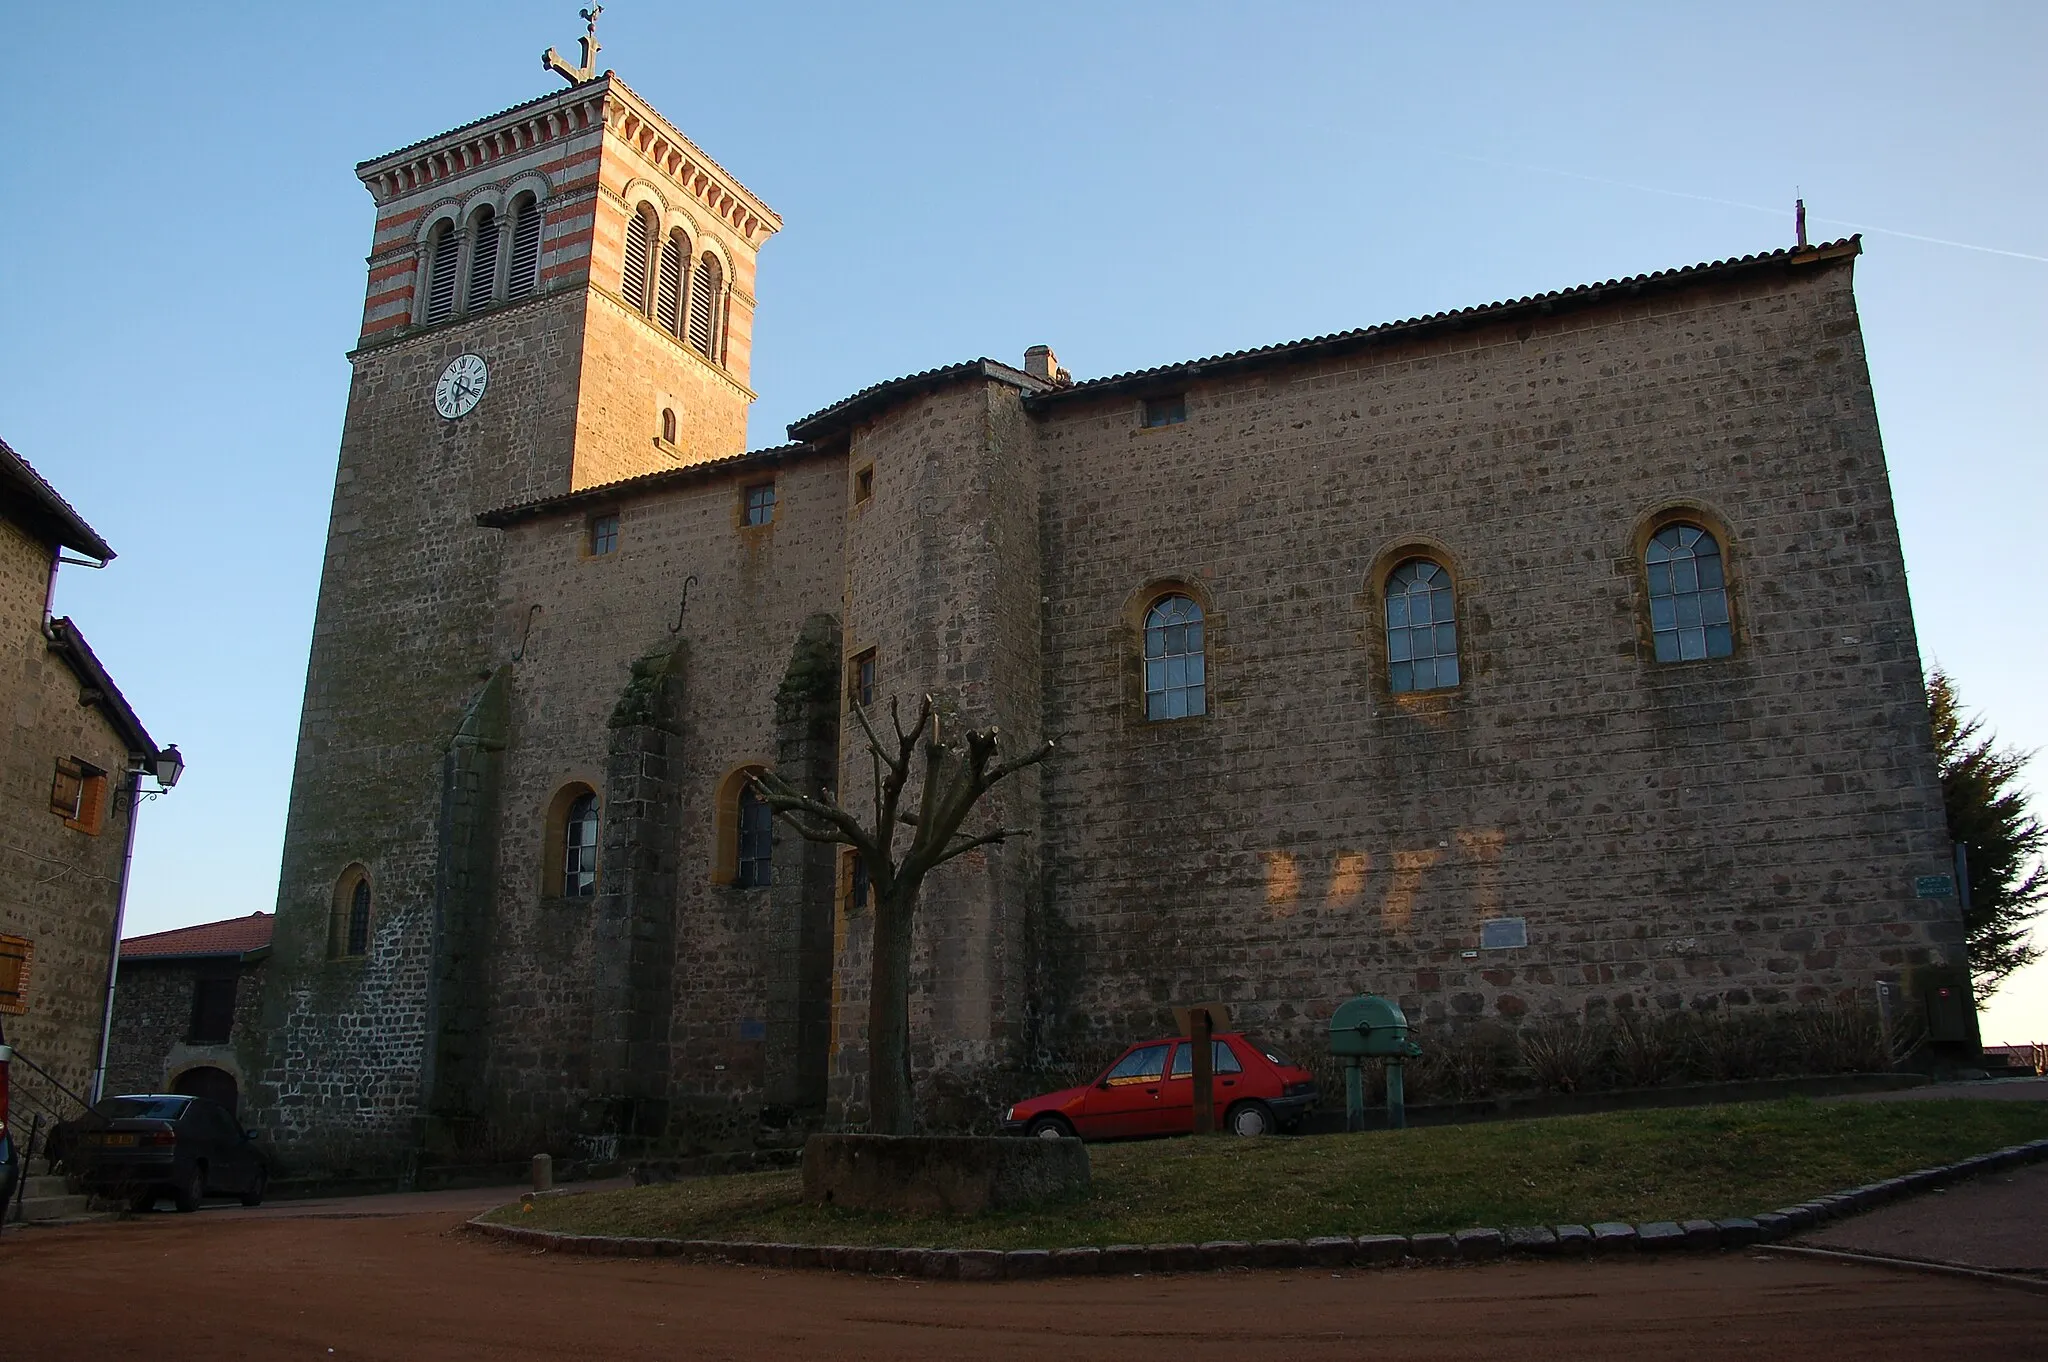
860, 687
17, 955
78, 795
864, 486
760, 504
67, 792
213, 1011
1166, 411
604, 535
857, 885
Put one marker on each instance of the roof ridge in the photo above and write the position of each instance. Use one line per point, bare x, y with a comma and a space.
1850, 245
84, 537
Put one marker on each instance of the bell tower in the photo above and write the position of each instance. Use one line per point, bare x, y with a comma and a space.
560, 295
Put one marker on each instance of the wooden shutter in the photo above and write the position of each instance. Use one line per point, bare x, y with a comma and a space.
525, 252
483, 260
635, 277
213, 1011
704, 306
441, 277
669, 296
17, 956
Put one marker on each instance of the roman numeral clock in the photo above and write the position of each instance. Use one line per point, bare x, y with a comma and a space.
461, 386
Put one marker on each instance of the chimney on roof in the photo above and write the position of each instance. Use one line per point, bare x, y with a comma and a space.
1799, 221
1041, 362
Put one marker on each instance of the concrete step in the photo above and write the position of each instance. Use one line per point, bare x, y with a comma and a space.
44, 1210
44, 1185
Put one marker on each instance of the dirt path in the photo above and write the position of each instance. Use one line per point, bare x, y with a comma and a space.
415, 1289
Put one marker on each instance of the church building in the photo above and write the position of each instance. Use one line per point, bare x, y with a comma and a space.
1546, 657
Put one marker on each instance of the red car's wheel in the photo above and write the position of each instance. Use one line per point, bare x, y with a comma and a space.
1049, 1128
1250, 1118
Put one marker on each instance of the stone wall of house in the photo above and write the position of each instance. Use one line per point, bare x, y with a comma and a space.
59, 883
1729, 833
151, 1042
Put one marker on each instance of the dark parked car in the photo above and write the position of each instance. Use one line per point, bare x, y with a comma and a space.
152, 1145
1257, 1090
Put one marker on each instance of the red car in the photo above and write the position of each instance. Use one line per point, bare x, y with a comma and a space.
1150, 1090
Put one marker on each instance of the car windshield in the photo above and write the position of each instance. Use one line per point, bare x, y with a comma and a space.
150, 1108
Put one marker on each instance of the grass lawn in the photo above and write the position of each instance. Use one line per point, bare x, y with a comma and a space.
1637, 1165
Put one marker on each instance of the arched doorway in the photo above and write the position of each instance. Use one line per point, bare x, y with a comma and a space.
215, 1085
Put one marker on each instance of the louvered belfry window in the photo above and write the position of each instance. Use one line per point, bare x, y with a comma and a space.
525, 274
441, 275
704, 292
483, 260
637, 242
668, 298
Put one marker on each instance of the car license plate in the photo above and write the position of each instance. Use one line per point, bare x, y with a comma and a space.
113, 1141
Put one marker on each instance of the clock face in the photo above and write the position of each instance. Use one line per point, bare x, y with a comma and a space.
461, 386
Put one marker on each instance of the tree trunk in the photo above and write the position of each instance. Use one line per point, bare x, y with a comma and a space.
889, 1104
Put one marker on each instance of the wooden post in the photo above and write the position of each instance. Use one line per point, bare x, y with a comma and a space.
1199, 1032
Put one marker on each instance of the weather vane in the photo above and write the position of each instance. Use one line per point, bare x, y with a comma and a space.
551, 60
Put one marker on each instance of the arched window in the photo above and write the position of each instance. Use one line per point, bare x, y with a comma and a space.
1175, 675
639, 243
442, 250
1422, 628
704, 305
668, 296
524, 277
668, 424
483, 260
756, 825
1688, 595
579, 848
358, 942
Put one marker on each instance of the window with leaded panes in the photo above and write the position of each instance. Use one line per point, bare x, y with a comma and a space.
1176, 674
757, 841
1422, 628
579, 848
1689, 617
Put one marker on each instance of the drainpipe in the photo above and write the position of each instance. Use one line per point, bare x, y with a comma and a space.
99, 1073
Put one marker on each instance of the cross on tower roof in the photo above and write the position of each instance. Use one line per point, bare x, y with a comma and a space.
552, 60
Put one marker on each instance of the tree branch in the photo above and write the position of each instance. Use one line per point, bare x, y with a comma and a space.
967, 844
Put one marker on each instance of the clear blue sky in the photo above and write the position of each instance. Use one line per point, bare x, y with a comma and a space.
182, 243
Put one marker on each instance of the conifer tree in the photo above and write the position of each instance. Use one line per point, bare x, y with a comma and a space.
1987, 813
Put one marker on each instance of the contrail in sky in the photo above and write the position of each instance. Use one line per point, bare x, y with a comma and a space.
1753, 207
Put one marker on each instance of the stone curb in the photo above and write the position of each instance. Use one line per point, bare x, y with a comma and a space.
1325, 1251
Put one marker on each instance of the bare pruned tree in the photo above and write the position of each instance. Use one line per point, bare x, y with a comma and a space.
955, 777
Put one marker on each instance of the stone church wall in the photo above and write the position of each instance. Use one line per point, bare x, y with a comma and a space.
1731, 833
402, 643
749, 593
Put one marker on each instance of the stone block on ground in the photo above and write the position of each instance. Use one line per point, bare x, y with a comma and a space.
1077, 1262
1381, 1250
1223, 1253
1660, 1234
1739, 1231
1701, 1234
1022, 1263
1432, 1247
1573, 1241
1614, 1236
980, 1265
939, 1175
1126, 1257
1278, 1253
1478, 1245
1540, 1239
1176, 1257
1328, 1250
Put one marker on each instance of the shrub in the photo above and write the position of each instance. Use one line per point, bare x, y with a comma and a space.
1841, 1037
1459, 1063
1729, 1047
1562, 1053
1643, 1049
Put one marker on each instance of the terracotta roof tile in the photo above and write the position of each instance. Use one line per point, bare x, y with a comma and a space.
236, 936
